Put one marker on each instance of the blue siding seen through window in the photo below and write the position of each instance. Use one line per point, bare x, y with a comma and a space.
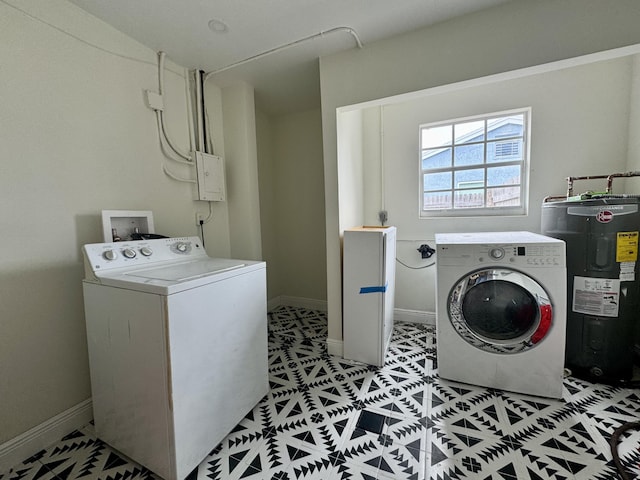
471, 164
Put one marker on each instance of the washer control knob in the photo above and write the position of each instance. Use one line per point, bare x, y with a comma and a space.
146, 251
181, 247
129, 253
110, 255
496, 253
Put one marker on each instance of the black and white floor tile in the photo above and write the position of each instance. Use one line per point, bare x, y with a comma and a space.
329, 418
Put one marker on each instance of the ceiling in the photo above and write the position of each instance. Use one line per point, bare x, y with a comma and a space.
287, 79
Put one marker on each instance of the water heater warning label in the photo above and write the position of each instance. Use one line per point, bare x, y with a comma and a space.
627, 247
596, 296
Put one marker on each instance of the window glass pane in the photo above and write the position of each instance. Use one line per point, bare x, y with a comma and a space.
503, 197
469, 132
469, 178
436, 136
437, 181
469, 198
437, 201
509, 175
504, 150
468, 155
474, 164
436, 158
509, 126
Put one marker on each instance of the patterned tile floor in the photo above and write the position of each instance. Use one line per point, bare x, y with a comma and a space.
317, 420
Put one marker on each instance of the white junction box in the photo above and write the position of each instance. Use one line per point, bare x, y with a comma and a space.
125, 222
210, 172
154, 100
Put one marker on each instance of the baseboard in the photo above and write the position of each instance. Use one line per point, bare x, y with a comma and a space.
400, 314
335, 347
273, 303
309, 303
414, 316
41, 436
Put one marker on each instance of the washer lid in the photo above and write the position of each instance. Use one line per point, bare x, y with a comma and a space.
176, 277
162, 266
182, 272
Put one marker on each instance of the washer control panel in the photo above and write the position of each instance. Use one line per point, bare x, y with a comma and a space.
100, 257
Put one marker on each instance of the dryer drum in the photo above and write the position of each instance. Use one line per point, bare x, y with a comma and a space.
500, 310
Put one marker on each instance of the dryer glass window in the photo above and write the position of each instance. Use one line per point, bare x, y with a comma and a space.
500, 310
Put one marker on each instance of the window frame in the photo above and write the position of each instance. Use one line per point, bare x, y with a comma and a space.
454, 212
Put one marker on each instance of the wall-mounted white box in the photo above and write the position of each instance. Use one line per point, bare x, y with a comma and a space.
125, 223
211, 181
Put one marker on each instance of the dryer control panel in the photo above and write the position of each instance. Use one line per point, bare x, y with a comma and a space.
548, 254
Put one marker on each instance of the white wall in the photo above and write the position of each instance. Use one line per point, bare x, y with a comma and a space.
579, 126
300, 210
216, 229
634, 126
241, 169
268, 203
291, 201
75, 138
351, 171
373, 182
461, 49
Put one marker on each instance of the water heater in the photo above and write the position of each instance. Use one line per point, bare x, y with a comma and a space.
603, 284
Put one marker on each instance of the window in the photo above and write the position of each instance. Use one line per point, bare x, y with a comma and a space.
507, 149
474, 166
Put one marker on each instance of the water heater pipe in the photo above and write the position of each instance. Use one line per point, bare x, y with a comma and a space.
609, 178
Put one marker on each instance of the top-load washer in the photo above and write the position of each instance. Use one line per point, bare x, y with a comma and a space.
501, 310
177, 348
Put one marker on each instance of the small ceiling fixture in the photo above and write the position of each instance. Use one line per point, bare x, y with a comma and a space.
218, 26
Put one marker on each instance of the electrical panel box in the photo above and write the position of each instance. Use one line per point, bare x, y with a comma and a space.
125, 222
210, 172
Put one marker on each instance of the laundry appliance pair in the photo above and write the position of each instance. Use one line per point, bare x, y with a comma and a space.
501, 310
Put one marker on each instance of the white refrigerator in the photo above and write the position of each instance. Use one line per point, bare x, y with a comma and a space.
369, 271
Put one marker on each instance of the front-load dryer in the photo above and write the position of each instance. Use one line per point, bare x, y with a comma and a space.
501, 310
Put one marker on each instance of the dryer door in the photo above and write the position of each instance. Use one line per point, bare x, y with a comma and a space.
500, 310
